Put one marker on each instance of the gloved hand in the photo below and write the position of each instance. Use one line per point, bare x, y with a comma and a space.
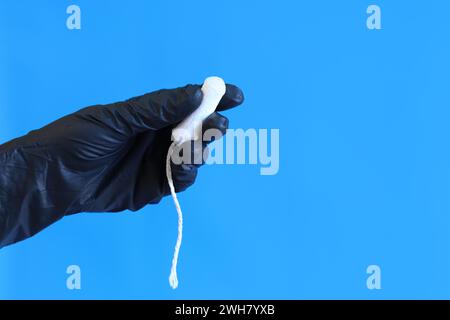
104, 158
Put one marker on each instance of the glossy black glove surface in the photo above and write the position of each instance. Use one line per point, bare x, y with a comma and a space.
104, 158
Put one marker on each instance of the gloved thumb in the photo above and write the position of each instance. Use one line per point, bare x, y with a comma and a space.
151, 111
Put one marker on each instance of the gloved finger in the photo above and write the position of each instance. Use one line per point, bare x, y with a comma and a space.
185, 173
232, 98
167, 107
214, 127
184, 168
196, 152
189, 153
152, 111
184, 176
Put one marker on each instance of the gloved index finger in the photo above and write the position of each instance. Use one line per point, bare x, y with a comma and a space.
161, 108
233, 97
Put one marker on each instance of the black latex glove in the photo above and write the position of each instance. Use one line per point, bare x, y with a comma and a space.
104, 158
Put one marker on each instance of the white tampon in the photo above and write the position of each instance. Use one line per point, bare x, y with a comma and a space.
190, 128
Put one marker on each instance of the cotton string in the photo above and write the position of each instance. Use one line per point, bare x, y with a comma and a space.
173, 279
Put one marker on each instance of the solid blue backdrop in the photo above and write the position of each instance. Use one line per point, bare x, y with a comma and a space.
364, 147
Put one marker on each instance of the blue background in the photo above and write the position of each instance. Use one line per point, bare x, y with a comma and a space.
364, 152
